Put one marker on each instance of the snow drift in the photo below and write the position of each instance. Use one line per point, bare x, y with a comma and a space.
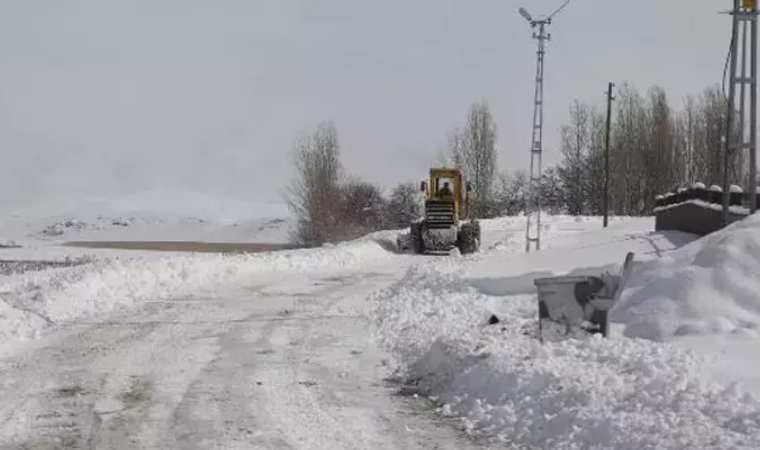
509, 389
35, 301
709, 286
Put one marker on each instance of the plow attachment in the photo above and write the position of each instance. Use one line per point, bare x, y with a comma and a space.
577, 305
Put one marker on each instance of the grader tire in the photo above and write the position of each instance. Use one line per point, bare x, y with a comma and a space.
415, 234
469, 238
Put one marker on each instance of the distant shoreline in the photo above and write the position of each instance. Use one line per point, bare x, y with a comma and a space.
182, 246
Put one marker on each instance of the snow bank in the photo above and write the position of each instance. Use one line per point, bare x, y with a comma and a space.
509, 389
35, 301
709, 286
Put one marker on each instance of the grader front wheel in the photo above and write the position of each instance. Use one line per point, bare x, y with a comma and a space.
415, 235
469, 238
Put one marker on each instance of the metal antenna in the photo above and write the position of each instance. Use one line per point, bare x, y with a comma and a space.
533, 207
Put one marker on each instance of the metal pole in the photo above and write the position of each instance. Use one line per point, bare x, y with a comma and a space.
753, 113
742, 87
533, 216
607, 156
728, 147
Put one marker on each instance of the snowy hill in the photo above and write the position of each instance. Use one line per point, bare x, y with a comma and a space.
157, 204
157, 215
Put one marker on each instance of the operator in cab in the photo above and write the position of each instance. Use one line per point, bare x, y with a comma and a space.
445, 191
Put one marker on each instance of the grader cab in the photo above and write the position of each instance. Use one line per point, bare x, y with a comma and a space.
448, 222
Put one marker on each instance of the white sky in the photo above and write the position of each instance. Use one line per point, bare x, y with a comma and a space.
106, 97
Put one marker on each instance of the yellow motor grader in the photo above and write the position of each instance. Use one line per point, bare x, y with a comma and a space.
447, 223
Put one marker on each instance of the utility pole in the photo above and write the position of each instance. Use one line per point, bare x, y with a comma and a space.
744, 17
753, 109
606, 201
533, 215
533, 207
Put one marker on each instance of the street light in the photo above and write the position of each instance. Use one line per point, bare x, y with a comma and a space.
533, 209
523, 12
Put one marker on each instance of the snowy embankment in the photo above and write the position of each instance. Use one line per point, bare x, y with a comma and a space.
618, 393
507, 387
709, 286
33, 302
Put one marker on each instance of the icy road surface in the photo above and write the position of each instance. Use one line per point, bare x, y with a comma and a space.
287, 363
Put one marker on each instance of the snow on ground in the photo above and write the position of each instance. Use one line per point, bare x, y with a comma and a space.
711, 286
162, 215
57, 230
508, 389
502, 385
34, 302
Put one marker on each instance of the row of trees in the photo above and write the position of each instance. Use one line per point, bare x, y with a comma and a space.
653, 148
473, 150
330, 206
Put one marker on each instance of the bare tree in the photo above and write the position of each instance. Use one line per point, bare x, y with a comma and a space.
511, 192
627, 181
659, 158
595, 165
576, 150
553, 192
687, 138
404, 206
474, 151
362, 209
314, 195
713, 121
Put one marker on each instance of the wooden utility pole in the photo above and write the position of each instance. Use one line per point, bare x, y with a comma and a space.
606, 200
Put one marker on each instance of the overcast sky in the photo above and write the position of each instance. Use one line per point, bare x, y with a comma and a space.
106, 97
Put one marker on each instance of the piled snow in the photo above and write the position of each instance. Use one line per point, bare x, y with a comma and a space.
506, 235
738, 210
509, 389
580, 247
709, 286
34, 301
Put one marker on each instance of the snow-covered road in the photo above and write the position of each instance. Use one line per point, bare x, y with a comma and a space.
306, 348
271, 363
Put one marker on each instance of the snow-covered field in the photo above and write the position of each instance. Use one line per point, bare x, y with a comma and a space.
158, 215
680, 370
